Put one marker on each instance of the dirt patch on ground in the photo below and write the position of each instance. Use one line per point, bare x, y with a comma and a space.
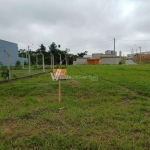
87, 95
35, 113
8, 127
53, 95
125, 102
74, 83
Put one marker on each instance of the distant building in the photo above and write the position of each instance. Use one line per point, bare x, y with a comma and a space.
101, 55
80, 61
111, 52
120, 53
87, 56
130, 56
97, 58
12, 49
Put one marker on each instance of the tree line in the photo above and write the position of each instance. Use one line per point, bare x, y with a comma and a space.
53, 49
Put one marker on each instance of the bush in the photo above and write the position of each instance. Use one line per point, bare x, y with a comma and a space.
1, 65
120, 63
18, 65
5, 73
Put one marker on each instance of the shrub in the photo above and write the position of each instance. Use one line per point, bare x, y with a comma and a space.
18, 65
120, 63
5, 73
1, 65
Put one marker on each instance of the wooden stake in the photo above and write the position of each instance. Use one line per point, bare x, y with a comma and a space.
59, 91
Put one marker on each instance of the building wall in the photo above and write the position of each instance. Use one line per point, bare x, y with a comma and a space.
100, 55
108, 52
111, 52
130, 56
111, 60
120, 53
93, 61
87, 56
80, 61
12, 49
106, 56
144, 57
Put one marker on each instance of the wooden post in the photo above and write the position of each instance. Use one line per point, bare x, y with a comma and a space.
43, 62
59, 91
8, 61
22, 62
53, 62
36, 61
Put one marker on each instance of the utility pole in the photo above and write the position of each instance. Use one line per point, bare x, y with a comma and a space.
52, 61
36, 60
140, 54
132, 53
8, 61
67, 50
22, 62
26, 54
114, 48
29, 61
43, 62
60, 59
66, 60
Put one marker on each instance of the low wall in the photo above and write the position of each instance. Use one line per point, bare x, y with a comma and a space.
111, 60
80, 61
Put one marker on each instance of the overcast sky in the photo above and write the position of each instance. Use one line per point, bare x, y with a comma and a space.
80, 25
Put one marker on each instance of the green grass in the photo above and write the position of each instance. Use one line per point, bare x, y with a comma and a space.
111, 113
23, 72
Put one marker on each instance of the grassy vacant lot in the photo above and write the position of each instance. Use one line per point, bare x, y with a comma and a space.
21, 73
112, 112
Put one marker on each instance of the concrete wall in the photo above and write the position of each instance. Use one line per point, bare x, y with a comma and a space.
12, 49
80, 61
96, 55
87, 56
106, 56
93, 61
100, 55
111, 60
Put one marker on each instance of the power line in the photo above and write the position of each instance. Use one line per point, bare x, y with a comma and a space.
131, 40
124, 44
89, 43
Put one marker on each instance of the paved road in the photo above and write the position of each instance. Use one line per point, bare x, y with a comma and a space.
130, 62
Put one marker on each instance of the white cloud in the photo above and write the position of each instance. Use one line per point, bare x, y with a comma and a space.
75, 22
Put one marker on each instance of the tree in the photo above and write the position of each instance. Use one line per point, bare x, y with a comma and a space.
41, 49
5, 74
53, 48
1, 65
82, 54
56, 51
22, 53
18, 64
